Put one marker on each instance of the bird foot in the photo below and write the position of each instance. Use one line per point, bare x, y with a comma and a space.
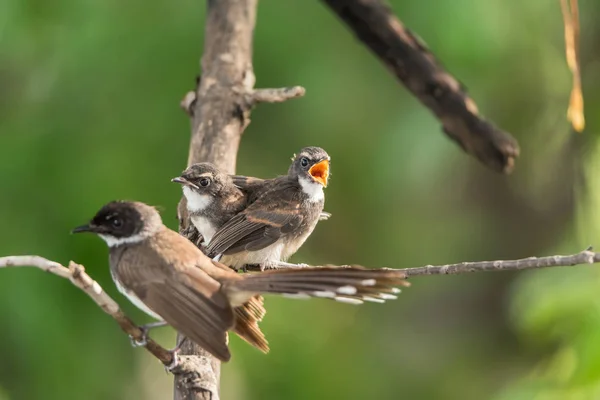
174, 353
145, 329
140, 343
175, 362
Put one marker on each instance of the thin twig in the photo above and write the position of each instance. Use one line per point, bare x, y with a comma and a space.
407, 56
187, 103
276, 95
200, 368
584, 257
77, 275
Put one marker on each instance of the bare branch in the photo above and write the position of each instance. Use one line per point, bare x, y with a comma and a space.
220, 111
408, 57
584, 257
275, 95
187, 103
196, 372
77, 275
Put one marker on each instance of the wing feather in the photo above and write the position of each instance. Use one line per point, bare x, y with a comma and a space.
273, 215
185, 296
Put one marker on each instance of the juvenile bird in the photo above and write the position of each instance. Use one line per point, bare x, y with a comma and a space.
272, 228
170, 279
213, 197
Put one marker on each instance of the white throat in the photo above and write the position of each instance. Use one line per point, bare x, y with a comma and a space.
195, 201
112, 241
313, 189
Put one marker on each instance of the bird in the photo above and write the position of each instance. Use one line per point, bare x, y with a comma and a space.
213, 197
173, 281
254, 187
272, 228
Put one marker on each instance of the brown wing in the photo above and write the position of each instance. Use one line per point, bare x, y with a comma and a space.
256, 187
252, 187
276, 213
186, 298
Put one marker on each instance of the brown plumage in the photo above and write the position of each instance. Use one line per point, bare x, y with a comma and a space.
169, 278
278, 222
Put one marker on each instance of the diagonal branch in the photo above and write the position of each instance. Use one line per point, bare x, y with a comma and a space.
416, 67
78, 277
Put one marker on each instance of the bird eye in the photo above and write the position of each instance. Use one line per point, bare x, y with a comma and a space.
204, 182
117, 222
304, 161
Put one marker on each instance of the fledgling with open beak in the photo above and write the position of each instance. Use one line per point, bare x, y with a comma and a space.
272, 228
212, 197
170, 279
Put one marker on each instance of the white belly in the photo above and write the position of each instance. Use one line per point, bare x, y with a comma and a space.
136, 301
206, 229
268, 254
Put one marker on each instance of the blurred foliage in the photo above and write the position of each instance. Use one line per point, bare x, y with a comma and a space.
89, 113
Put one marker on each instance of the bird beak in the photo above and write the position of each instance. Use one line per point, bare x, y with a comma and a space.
82, 228
185, 182
320, 172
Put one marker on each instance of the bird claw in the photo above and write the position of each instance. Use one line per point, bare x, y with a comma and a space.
140, 343
175, 362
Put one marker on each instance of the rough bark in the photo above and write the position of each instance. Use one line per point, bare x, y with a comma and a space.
219, 109
218, 118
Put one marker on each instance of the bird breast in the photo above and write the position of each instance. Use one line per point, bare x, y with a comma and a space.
206, 228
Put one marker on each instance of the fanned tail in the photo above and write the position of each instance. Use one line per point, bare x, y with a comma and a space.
345, 284
247, 317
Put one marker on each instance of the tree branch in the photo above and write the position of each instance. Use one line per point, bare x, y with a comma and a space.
220, 111
275, 95
408, 57
584, 257
195, 374
78, 277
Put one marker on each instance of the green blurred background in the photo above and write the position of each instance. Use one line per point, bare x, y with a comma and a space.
89, 95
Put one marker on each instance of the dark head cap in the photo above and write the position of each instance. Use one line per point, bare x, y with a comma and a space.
313, 163
123, 220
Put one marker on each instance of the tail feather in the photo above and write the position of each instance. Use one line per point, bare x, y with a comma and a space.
344, 284
247, 317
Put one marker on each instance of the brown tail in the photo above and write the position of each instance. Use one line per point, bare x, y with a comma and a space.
353, 285
247, 317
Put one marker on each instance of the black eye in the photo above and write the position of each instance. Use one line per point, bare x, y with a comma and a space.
204, 182
304, 161
117, 222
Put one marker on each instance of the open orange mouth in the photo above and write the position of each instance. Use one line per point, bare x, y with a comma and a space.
320, 172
